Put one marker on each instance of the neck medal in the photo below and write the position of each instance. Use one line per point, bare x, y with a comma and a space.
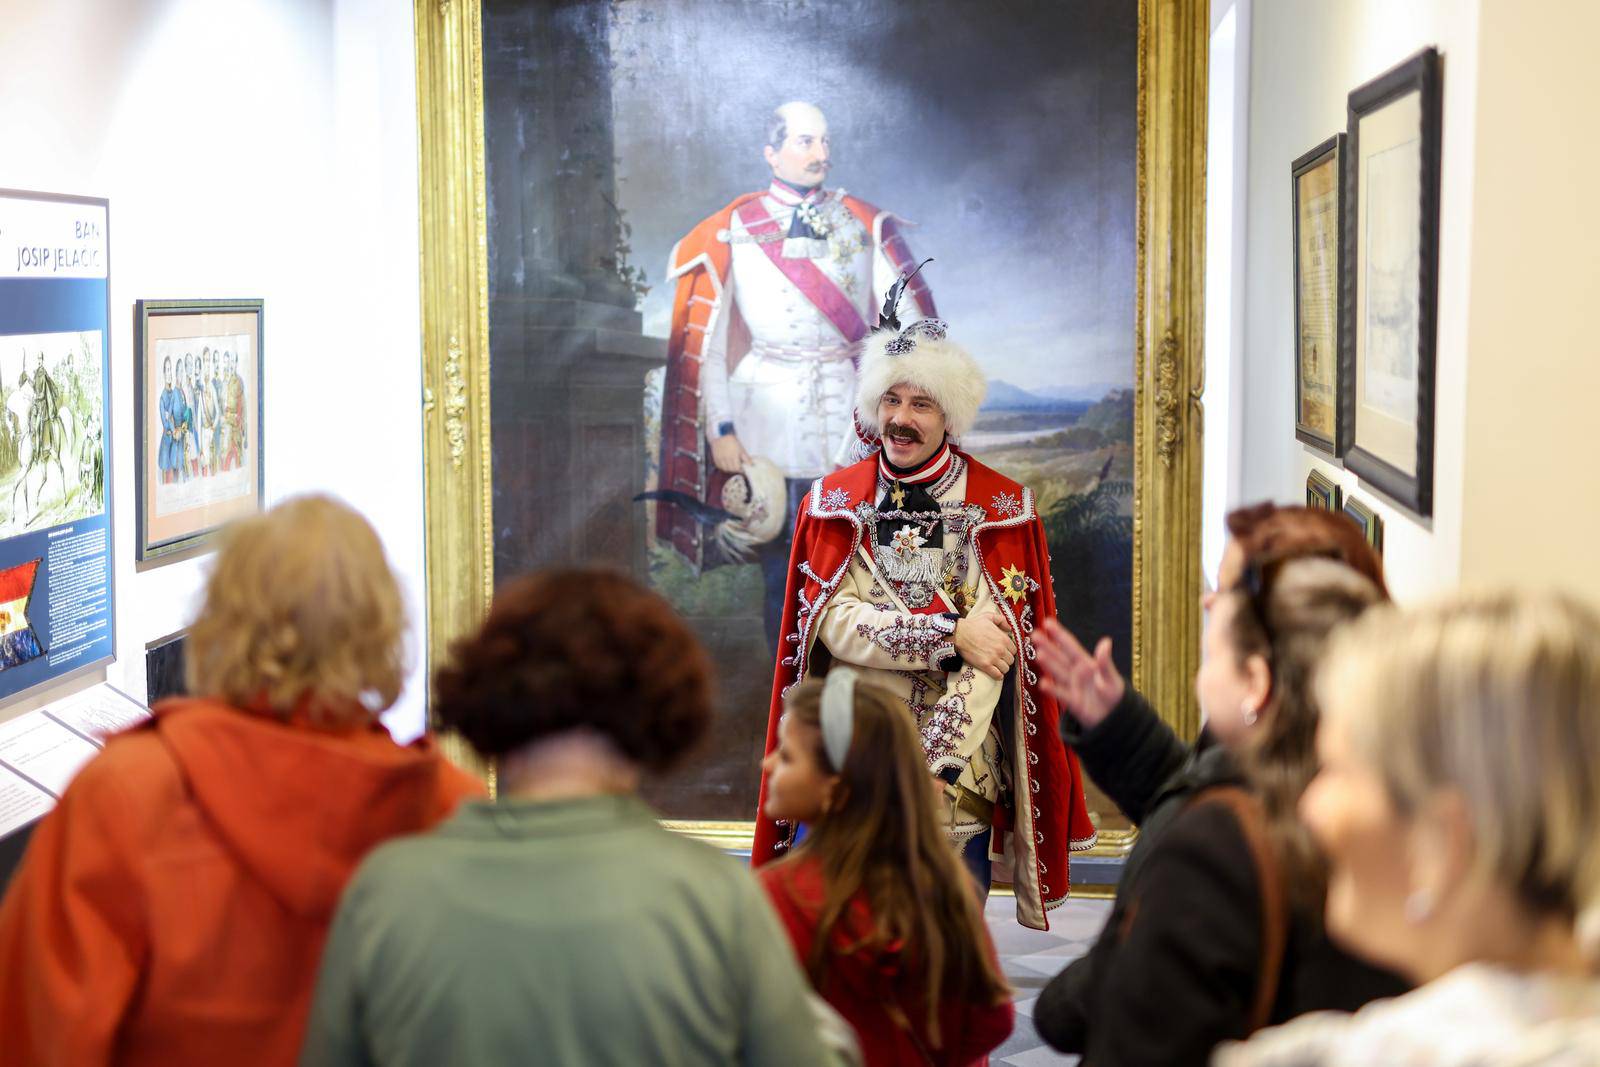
910, 543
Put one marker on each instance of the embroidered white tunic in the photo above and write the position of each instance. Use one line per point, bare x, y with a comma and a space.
864, 626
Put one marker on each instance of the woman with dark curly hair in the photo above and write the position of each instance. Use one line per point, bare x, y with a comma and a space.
562, 924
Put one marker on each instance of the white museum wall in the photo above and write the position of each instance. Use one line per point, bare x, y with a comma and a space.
254, 148
1305, 57
1531, 513
1227, 127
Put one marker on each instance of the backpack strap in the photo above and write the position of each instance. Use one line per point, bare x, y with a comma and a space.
1252, 819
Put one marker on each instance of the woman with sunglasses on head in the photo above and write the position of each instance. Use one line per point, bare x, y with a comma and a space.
1216, 930
1457, 805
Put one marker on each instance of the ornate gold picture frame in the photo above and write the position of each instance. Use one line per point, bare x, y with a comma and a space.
1168, 368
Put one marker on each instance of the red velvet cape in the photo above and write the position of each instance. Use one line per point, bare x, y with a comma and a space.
1054, 820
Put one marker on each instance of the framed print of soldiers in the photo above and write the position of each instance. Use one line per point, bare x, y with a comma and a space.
928, 572
773, 294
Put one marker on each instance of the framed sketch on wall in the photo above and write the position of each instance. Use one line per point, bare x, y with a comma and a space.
1318, 188
1392, 269
197, 418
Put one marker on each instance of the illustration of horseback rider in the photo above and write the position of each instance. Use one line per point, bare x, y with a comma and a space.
47, 435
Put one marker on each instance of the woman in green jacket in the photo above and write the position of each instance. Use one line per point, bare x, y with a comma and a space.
561, 923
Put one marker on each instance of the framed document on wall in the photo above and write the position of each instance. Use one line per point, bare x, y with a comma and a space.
197, 418
1392, 264
1318, 190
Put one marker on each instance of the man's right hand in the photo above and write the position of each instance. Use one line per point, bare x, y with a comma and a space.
1087, 686
984, 643
728, 454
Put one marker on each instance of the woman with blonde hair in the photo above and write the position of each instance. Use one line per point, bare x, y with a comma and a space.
874, 899
1457, 804
172, 908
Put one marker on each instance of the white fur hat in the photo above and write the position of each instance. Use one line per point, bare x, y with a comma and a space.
920, 355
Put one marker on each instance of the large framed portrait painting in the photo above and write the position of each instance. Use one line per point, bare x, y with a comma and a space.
197, 420
654, 244
641, 341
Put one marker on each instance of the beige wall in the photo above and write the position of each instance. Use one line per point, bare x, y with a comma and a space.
1305, 57
1532, 491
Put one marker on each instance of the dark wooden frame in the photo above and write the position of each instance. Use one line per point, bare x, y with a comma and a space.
1323, 492
144, 310
1335, 147
1369, 520
1420, 74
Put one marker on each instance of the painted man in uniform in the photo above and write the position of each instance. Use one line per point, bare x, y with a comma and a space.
169, 456
773, 293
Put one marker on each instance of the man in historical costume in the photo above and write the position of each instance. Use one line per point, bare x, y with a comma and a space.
19, 409
233, 419
218, 399
169, 455
773, 293
929, 571
45, 428
207, 411
190, 384
10, 434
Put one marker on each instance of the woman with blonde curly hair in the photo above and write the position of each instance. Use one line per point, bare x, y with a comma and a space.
172, 908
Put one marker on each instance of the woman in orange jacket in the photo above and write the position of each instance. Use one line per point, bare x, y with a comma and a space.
172, 908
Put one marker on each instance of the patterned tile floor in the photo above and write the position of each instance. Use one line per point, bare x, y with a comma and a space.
1030, 959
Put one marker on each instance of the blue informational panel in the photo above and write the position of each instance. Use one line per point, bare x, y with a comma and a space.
55, 438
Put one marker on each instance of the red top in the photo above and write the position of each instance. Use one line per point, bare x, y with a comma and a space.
861, 983
171, 909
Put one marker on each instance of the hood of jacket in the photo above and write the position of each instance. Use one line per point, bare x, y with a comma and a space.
299, 806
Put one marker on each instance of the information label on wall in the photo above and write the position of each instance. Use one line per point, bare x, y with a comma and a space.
55, 438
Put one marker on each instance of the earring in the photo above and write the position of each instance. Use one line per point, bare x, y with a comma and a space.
1419, 905
1249, 713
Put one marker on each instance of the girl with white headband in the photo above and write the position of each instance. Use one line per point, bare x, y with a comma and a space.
882, 916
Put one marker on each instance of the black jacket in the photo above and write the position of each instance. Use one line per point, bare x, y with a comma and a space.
1173, 973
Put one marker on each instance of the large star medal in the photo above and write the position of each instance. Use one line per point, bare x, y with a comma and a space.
1014, 583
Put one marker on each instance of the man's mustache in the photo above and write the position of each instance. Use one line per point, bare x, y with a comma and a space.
820, 165
903, 433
